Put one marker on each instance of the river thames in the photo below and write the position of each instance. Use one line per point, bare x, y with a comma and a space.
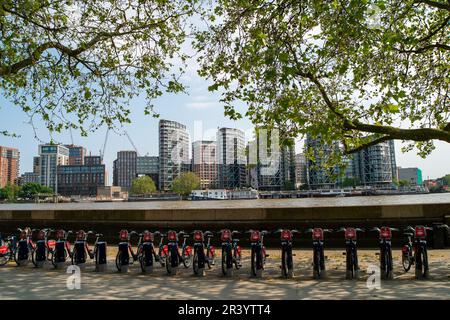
358, 201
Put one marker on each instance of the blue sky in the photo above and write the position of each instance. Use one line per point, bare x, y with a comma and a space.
197, 105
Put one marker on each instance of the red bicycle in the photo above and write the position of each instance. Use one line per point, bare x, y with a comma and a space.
25, 247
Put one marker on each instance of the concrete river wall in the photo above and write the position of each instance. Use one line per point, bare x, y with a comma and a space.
271, 214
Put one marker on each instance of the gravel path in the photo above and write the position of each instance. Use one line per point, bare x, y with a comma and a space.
30, 283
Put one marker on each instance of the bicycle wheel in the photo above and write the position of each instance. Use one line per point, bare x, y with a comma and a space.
53, 261
33, 258
195, 263
389, 265
141, 258
419, 269
425, 263
349, 271
253, 262
406, 262
187, 259
118, 262
73, 258
50, 256
168, 262
316, 264
224, 261
284, 263
237, 259
209, 258
4, 258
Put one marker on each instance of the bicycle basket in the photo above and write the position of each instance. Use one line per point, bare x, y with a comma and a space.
350, 233
286, 235
317, 234
226, 235
420, 232
385, 233
255, 235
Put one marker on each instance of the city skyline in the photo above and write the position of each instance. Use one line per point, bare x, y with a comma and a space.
199, 106
114, 146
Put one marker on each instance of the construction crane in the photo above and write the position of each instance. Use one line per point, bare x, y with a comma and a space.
71, 135
102, 152
131, 141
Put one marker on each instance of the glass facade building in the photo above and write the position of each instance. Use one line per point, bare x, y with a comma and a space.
51, 156
231, 158
173, 152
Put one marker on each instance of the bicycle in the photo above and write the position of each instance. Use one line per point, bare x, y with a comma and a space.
317, 234
231, 252
146, 251
420, 251
352, 267
81, 249
186, 251
62, 249
162, 249
173, 255
386, 264
124, 251
7, 249
287, 263
258, 252
100, 256
44, 250
25, 247
408, 254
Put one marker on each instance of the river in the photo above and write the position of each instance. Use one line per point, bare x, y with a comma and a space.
437, 198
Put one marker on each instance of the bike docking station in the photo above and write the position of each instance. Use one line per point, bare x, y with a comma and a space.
101, 263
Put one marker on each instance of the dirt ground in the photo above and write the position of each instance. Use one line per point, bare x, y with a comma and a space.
31, 283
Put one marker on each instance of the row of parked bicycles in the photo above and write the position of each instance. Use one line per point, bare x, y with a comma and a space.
172, 250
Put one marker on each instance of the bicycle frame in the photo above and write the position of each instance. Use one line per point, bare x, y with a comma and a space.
199, 260
162, 249
420, 251
44, 248
287, 264
146, 251
124, 251
7, 249
81, 249
258, 255
25, 247
173, 255
317, 235
385, 240
62, 249
352, 266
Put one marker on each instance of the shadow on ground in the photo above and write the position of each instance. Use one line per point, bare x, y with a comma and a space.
31, 283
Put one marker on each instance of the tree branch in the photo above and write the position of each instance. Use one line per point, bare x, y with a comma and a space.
366, 145
421, 134
36, 54
425, 48
32, 21
435, 4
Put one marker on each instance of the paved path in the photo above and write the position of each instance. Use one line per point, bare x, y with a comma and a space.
30, 283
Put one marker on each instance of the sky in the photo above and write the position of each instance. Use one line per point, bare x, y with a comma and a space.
197, 108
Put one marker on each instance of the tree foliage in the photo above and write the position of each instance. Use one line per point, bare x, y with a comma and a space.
185, 183
30, 190
358, 72
77, 64
9, 192
143, 185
